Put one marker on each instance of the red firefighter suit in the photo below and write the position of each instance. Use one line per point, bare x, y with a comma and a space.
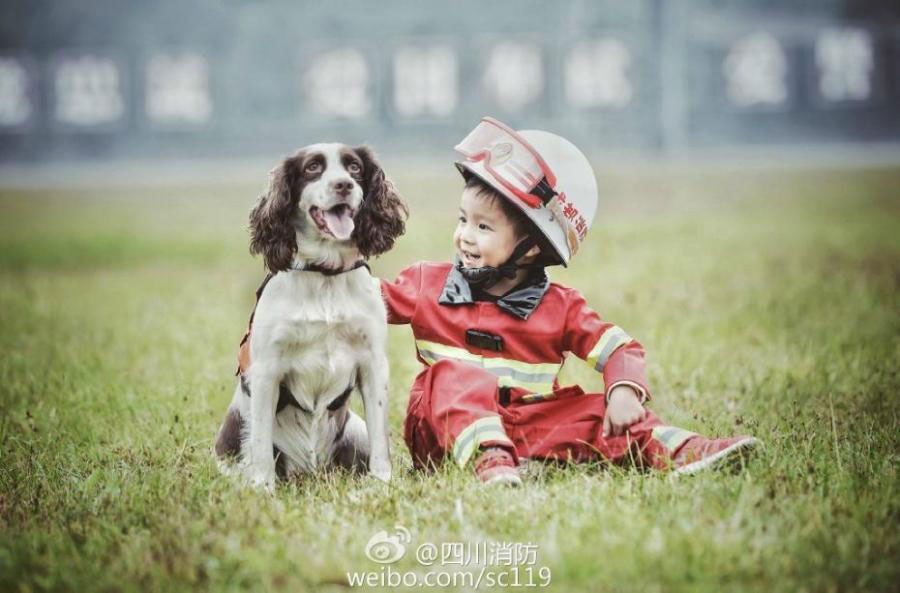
490, 375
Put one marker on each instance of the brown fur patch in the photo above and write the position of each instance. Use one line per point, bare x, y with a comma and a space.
271, 230
228, 443
382, 217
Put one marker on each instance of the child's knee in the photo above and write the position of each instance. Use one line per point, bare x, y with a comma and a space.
448, 378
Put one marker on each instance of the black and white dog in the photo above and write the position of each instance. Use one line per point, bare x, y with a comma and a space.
319, 329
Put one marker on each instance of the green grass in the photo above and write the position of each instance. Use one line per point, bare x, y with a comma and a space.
767, 303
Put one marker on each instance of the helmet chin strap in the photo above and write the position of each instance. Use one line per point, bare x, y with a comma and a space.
487, 276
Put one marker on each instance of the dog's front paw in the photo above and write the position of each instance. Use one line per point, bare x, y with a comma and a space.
263, 484
380, 470
262, 479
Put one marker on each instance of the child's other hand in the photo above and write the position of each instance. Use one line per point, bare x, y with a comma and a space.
624, 409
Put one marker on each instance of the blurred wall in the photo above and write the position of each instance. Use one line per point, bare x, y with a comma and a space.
105, 78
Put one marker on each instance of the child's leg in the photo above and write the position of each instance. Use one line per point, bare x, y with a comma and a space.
655, 441
671, 448
568, 426
454, 410
571, 428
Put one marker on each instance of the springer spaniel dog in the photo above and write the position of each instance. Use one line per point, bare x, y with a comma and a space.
319, 329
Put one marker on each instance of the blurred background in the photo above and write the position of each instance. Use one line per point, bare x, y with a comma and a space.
114, 79
748, 160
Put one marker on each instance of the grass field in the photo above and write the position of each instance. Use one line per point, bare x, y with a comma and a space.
767, 301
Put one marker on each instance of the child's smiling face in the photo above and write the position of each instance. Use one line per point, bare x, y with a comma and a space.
484, 235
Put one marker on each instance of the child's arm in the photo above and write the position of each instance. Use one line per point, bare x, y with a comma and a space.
615, 354
401, 295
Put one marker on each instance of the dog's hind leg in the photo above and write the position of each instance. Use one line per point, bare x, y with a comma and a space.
228, 441
352, 447
227, 448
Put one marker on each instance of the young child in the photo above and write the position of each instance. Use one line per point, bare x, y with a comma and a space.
492, 330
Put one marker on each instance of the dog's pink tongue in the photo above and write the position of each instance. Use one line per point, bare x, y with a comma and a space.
339, 222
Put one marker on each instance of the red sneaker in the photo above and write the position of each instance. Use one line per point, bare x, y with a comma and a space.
699, 453
497, 466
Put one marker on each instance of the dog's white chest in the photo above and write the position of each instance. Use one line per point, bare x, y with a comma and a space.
324, 352
327, 320
320, 327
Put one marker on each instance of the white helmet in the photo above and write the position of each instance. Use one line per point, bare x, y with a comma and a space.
543, 174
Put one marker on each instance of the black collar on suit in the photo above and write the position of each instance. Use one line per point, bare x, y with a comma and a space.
520, 301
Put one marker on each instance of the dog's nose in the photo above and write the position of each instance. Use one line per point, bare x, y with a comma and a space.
342, 187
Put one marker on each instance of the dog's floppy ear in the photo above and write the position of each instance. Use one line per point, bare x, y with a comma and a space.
271, 230
382, 217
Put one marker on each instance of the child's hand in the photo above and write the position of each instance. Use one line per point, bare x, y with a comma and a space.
624, 409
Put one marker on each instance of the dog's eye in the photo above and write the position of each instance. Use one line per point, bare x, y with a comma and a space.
313, 167
354, 168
